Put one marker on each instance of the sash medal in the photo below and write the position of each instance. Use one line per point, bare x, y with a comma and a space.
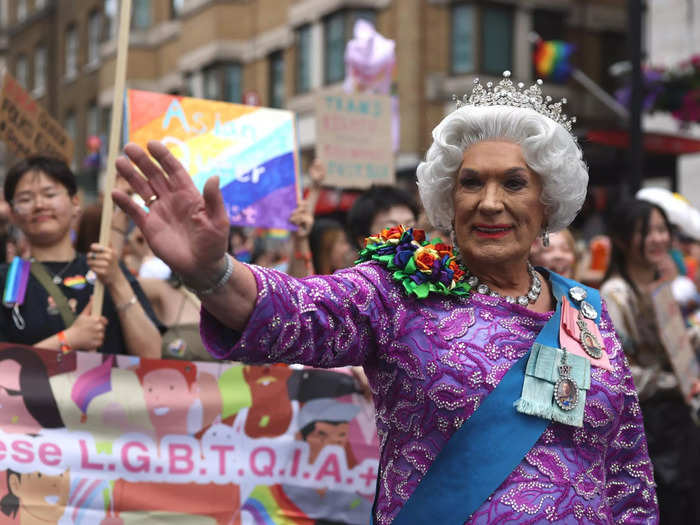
16, 288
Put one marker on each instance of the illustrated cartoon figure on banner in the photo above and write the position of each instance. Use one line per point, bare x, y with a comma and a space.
27, 402
323, 423
270, 413
101, 399
37, 498
178, 399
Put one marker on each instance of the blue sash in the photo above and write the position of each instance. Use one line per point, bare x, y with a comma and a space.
490, 444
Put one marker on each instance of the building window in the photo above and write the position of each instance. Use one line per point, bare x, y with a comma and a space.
94, 35
222, 81
463, 37
71, 52
497, 39
141, 14
106, 120
337, 30
491, 25
21, 10
92, 125
111, 16
334, 36
277, 79
303, 59
176, 7
40, 71
69, 124
21, 71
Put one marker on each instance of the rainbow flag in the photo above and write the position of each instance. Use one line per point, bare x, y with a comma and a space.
253, 151
16, 282
552, 59
77, 282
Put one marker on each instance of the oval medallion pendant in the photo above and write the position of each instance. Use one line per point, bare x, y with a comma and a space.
589, 342
566, 393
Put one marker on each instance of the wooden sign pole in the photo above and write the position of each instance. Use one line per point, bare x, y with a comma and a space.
114, 139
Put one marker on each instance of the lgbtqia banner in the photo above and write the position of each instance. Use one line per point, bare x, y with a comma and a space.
87, 438
252, 149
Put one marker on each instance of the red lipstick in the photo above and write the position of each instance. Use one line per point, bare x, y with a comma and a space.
492, 231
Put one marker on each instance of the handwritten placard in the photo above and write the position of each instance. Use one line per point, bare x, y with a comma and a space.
27, 128
675, 338
353, 139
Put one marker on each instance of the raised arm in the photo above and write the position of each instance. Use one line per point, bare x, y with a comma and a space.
187, 230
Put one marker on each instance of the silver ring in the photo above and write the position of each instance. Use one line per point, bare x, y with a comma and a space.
153, 198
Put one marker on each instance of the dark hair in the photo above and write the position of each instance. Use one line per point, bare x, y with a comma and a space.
88, 227
372, 202
34, 386
236, 231
9, 504
309, 428
52, 167
626, 219
324, 234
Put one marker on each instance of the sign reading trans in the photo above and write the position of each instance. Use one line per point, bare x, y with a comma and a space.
252, 150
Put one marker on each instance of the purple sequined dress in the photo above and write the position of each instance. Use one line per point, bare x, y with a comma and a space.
430, 362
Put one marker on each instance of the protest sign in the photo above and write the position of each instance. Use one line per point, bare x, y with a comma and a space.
26, 127
353, 139
675, 338
252, 150
86, 437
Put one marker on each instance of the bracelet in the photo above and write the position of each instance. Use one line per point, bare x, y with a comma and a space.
222, 280
65, 347
126, 305
303, 256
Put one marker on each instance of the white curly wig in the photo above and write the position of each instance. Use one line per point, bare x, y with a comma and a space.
548, 148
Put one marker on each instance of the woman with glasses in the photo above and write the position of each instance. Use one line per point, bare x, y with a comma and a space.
55, 310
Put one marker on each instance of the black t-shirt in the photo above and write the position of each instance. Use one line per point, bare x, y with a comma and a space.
42, 318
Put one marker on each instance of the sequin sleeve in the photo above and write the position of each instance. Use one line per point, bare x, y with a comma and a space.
629, 486
322, 321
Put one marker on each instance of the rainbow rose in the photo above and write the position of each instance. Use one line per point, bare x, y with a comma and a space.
443, 249
393, 233
418, 235
425, 257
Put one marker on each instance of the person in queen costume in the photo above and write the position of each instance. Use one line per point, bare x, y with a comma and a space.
501, 390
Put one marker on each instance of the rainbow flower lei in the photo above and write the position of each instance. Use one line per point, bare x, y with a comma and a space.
421, 266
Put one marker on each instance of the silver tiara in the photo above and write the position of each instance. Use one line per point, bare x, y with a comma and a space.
506, 93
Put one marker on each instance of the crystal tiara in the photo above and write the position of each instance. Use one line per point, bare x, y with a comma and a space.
506, 93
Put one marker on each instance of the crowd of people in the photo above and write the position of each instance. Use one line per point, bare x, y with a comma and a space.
501, 186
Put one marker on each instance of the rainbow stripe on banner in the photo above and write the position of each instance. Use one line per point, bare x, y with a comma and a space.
16, 282
552, 59
253, 151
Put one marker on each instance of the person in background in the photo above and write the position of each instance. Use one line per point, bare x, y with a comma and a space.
380, 207
178, 309
301, 262
240, 243
56, 312
559, 256
330, 249
641, 239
